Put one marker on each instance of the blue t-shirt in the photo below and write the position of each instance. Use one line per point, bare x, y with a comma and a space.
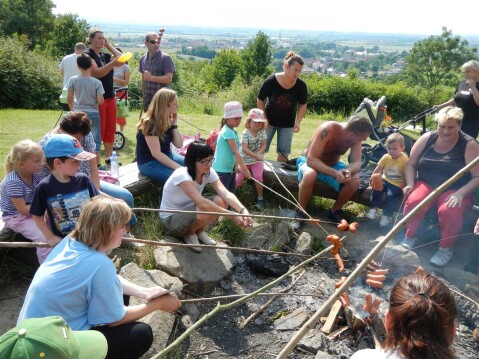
62, 201
77, 283
225, 160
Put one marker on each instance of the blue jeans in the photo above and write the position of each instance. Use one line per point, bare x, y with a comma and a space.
321, 177
95, 128
283, 142
120, 193
159, 172
389, 198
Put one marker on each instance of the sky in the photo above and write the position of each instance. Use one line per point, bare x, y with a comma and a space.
376, 16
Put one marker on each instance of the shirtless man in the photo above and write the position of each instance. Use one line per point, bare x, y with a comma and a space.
320, 161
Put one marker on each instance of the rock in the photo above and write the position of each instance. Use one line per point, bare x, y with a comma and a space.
291, 321
202, 271
399, 260
272, 265
162, 323
304, 244
323, 355
192, 311
280, 236
312, 341
259, 235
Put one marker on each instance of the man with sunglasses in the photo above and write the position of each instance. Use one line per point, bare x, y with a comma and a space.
156, 68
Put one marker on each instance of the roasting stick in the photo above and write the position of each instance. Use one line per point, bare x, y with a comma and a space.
372, 254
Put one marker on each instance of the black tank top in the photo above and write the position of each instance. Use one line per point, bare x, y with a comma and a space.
436, 168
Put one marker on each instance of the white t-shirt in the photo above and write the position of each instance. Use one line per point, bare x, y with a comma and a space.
174, 197
376, 354
69, 67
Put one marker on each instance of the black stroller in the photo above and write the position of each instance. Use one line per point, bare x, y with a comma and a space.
376, 111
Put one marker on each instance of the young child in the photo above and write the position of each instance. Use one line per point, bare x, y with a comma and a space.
64, 192
391, 166
24, 166
253, 145
227, 155
85, 94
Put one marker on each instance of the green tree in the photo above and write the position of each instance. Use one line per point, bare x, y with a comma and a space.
431, 60
33, 18
226, 66
256, 58
68, 29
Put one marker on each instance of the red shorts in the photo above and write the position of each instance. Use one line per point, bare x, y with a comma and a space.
108, 120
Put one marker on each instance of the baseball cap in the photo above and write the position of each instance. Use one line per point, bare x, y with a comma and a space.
233, 109
51, 337
256, 115
63, 145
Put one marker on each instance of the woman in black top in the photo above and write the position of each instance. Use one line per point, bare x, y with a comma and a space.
467, 98
282, 98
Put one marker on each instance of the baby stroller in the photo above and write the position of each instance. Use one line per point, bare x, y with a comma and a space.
122, 110
376, 111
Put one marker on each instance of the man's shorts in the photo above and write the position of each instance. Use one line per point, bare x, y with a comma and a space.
328, 180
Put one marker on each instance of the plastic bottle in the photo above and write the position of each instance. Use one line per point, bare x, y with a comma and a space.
114, 170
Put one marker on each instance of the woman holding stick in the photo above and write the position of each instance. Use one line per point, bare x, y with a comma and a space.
183, 191
419, 323
435, 158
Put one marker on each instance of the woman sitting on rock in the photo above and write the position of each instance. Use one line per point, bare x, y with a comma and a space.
419, 323
182, 191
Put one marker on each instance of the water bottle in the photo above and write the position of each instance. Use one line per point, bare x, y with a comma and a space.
114, 170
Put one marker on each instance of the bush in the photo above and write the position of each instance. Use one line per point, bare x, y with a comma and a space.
29, 79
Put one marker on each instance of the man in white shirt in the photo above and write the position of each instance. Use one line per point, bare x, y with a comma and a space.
68, 66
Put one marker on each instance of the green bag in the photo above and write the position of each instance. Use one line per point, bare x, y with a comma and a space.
122, 109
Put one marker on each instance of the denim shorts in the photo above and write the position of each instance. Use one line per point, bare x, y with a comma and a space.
321, 177
95, 128
283, 140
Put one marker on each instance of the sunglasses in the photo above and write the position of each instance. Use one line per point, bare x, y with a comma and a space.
153, 42
206, 161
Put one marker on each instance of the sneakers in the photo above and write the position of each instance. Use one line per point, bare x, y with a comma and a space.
409, 243
206, 239
192, 239
373, 213
260, 203
298, 225
385, 221
442, 257
335, 216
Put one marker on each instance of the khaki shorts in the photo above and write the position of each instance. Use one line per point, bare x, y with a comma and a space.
178, 223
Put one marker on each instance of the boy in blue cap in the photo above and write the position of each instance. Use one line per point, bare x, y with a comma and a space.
65, 191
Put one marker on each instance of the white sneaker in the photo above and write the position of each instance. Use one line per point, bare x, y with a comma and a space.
206, 239
133, 244
373, 213
385, 221
442, 257
409, 243
192, 239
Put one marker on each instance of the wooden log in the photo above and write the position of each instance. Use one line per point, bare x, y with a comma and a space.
332, 318
132, 180
290, 179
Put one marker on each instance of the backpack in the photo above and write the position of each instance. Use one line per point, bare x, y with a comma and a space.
213, 138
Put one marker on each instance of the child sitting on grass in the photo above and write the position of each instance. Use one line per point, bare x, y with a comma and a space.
24, 166
253, 145
391, 166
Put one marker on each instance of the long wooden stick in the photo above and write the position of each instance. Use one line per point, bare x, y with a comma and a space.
227, 214
372, 254
224, 307
237, 296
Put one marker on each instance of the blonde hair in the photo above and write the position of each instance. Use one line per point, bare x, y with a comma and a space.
449, 113
99, 218
471, 65
156, 120
20, 152
92, 33
395, 138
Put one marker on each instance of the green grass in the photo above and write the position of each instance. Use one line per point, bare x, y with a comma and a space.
16, 125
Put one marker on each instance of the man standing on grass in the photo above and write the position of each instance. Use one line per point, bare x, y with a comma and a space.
320, 161
68, 66
156, 68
